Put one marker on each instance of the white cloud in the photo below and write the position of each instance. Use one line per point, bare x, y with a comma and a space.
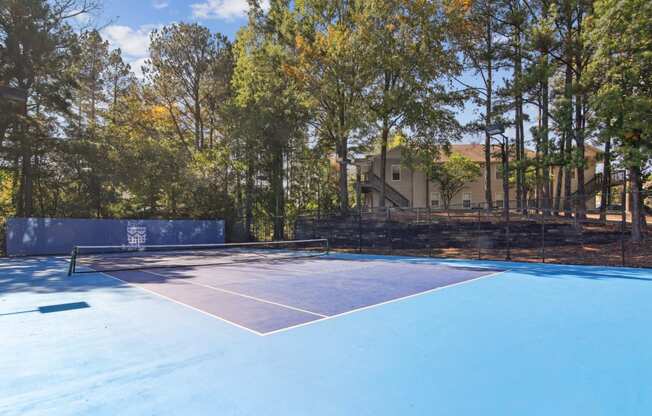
223, 9
83, 18
137, 66
134, 43
160, 4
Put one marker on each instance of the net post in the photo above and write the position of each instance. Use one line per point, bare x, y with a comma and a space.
328, 246
73, 261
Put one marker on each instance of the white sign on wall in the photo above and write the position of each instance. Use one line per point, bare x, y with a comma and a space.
136, 236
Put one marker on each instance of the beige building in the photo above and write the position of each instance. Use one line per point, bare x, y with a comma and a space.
408, 188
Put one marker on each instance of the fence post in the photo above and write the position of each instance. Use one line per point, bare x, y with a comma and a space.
330, 235
543, 237
360, 230
429, 238
623, 219
507, 236
479, 236
389, 228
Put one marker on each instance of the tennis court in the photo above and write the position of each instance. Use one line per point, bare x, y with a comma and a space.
295, 330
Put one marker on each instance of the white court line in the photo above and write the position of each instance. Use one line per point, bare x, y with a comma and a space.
305, 323
381, 303
240, 294
253, 331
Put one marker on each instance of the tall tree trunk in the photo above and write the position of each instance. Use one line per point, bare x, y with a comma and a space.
26, 193
342, 153
560, 176
517, 143
643, 215
523, 159
579, 124
580, 203
279, 193
488, 116
544, 132
520, 140
605, 190
545, 166
384, 138
115, 98
383, 161
505, 160
199, 142
248, 195
568, 128
635, 178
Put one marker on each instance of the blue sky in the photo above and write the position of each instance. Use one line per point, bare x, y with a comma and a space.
126, 24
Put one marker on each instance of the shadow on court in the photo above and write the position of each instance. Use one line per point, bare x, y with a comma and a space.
544, 270
62, 307
47, 275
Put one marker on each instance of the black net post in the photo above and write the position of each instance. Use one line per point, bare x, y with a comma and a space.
73, 261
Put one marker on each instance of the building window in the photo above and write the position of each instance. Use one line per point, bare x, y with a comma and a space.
466, 200
499, 201
396, 172
499, 173
435, 200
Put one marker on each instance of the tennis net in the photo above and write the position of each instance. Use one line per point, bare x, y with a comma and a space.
89, 259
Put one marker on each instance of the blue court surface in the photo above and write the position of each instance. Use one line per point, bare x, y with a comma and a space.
340, 334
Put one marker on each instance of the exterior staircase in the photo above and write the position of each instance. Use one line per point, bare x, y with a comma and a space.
371, 181
594, 185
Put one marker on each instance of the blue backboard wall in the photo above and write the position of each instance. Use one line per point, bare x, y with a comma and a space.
39, 236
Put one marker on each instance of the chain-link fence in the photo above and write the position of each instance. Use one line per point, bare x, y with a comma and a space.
520, 234
261, 228
531, 233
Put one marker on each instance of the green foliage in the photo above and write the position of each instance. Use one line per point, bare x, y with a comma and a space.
620, 33
190, 68
263, 126
453, 175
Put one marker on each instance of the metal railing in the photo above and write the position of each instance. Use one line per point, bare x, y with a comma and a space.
372, 180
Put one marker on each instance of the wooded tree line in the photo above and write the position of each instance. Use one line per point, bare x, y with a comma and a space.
267, 124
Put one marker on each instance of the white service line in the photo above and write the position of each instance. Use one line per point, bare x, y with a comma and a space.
324, 317
240, 294
382, 303
253, 331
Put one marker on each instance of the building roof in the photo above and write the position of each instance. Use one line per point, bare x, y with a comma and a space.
475, 152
